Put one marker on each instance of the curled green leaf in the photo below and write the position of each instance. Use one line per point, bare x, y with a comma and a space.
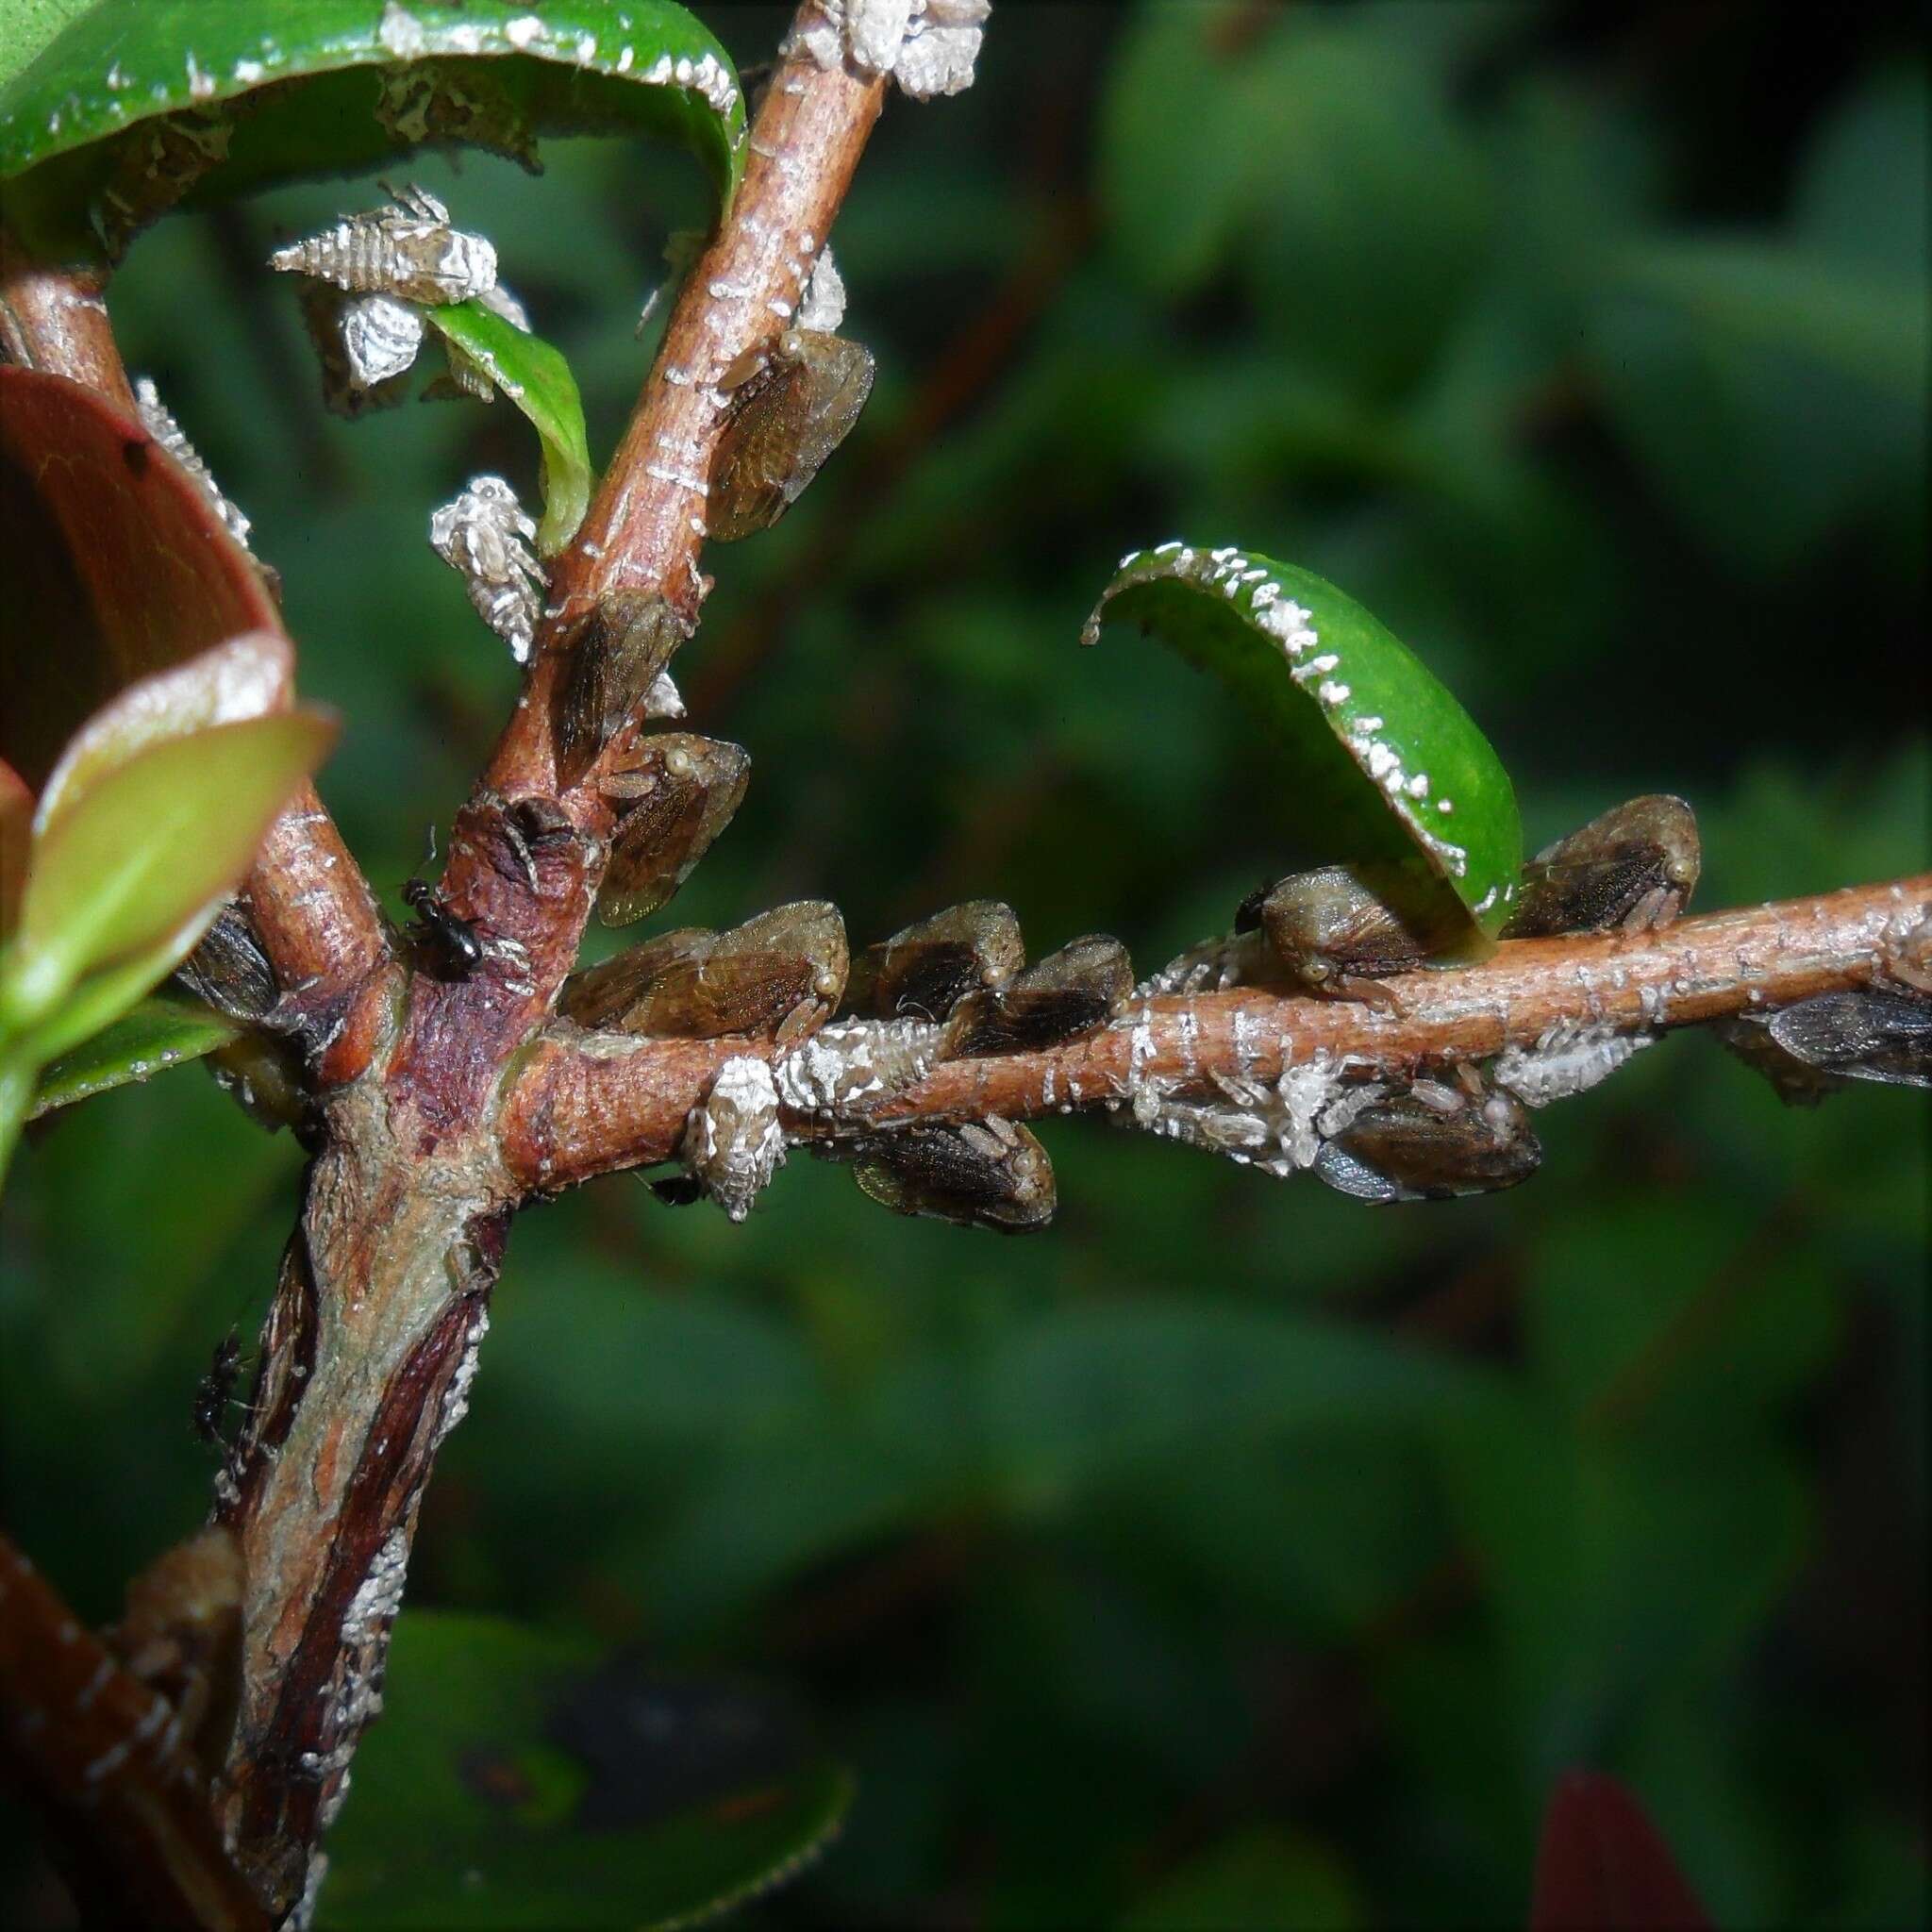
134, 866
131, 110
1376, 742
242, 678
159, 1033
534, 375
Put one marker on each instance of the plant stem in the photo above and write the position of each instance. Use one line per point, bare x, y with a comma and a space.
574, 1114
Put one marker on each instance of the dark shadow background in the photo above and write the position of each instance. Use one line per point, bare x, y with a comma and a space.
1584, 346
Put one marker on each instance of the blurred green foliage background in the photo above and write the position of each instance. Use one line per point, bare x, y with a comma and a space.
1233, 1554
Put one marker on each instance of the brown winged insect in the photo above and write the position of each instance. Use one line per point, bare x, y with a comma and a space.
984, 1173
925, 969
1865, 1034
1336, 930
615, 658
791, 405
676, 795
776, 977
1432, 1143
1082, 986
229, 969
1633, 866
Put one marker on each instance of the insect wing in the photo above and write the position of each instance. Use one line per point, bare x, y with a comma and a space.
775, 976
607, 995
996, 1174
1405, 1150
1636, 864
781, 973
783, 424
1332, 921
1080, 987
1860, 1035
924, 970
619, 649
229, 969
687, 789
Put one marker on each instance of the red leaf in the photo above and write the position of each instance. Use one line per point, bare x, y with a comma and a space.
1604, 1867
114, 564
16, 834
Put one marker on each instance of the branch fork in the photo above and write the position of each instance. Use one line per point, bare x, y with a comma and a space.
448, 1099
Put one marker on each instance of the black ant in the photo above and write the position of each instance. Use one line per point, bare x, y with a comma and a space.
217, 1389
457, 937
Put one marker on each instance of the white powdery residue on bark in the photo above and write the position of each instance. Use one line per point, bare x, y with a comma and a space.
456, 1399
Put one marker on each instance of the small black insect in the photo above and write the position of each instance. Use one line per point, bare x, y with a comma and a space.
456, 938
216, 1389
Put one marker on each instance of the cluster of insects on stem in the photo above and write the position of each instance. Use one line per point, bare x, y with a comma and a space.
838, 1035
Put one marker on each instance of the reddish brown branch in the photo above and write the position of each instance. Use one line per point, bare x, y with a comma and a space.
101, 1757
54, 318
383, 1297
646, 527
312, 906
575, 1113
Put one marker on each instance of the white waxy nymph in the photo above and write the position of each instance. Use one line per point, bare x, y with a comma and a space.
381, 338
733, 1143
483, 535
408, 249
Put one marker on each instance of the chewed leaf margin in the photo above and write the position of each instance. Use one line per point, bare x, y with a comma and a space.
132, 109
1331, 677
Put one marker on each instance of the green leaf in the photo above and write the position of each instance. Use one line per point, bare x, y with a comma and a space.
1373, 737
534, 375
139, 859
132, 109
159, 1032
518, 1779
244, 677
28, 25
1258, 1880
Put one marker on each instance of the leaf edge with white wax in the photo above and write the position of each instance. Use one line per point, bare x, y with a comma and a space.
1329, 674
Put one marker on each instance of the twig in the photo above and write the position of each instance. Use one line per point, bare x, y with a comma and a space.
646, 524
54, 318
312, 906
575, 1113
382, 1302
102, 1758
